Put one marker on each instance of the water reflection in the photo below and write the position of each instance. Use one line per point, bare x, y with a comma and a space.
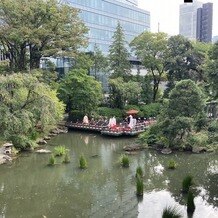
29, 188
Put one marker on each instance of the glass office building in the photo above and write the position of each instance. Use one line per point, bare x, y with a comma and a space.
101, 17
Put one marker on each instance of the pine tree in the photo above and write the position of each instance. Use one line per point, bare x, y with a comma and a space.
118, 55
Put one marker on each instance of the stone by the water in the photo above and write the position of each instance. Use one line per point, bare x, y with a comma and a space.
166, 151
43, 151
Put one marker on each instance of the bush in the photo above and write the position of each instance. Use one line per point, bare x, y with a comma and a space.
139, 172
139, 186
171, 212
198, 139
186, 183
124, 160
110, 112
51, 160
82, 162
66, 158
22, 142
151, 110
190, 203
60, 150
172, 164
76, 115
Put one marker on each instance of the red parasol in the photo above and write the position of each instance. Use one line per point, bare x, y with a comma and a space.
132, 112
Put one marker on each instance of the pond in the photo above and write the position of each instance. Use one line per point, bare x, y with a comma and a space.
31, 189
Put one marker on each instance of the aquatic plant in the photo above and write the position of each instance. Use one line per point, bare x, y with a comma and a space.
172, 164
139, 186
171, 212
51, 160
60, 150
66, 158
186, 183
124, 160
190, 203
139, 172
82, 162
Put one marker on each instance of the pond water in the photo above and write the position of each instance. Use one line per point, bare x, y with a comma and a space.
31, 189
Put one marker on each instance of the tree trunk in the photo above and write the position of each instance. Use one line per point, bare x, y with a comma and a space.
35, 56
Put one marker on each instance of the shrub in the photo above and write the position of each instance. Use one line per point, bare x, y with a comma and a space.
60, 150
51, 160
66, 158
190, 203
171, 212
139, 172
151, 110
110, 112
172, 164
139, 186
82, 162
75, 115
187, 182
124, 160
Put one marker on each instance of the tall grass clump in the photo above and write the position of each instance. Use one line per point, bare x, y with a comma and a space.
172, 164
139, 172
66, 158
82, 162
60, 150
186, 183
190, 203
124, 160
171, 212
139, 186
51, 160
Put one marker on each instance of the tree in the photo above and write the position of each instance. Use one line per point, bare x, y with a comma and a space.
100, 62
212, 71
80, 91
185, 60
186, 100
122, 92
118, 55
27, 106
35, 28
151, 49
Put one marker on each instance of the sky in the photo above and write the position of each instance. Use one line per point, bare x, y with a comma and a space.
166, 12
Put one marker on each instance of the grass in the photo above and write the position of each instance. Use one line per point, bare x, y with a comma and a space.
139, 186
190, 203
186, 183
172, 164
139, 172
124, 160
171, 212
66, 158
51, 160
82, 162
60, 150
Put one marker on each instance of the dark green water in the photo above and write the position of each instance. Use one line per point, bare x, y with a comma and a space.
31, 189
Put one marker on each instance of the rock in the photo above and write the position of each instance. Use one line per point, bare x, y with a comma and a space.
132, 148
47, 138
4, 159
166, 151
198, 150
52, 134
41, 142
43, 151
131, 152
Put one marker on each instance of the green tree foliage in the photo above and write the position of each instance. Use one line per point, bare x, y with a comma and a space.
118, 55
100, 62
147, 91
35, 28
80, 91
185, 60
151, 49
186, 99
26, 105
122, 92
212, 71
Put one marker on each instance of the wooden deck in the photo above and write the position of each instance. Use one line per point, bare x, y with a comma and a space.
105, 130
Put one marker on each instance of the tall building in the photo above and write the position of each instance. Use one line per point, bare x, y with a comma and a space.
101, 17
188, 19
204, 22
215, 39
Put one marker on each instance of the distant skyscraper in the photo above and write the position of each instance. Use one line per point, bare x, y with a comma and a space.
204, 22
215, 39
188, 19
